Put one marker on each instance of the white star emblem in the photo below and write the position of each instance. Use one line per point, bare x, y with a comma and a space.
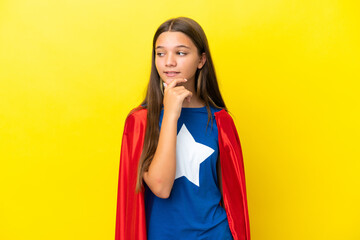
189, 156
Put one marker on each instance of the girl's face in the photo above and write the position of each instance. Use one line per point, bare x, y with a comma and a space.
177, 57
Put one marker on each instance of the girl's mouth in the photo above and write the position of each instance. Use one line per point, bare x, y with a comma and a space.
171, 73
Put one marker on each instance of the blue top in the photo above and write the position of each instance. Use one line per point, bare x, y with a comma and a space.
192, 210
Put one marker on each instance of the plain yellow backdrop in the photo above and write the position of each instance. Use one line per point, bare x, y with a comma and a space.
70, 71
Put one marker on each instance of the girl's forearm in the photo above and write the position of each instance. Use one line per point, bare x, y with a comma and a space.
161, 174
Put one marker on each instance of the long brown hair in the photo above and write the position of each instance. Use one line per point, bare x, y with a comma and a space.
206, 88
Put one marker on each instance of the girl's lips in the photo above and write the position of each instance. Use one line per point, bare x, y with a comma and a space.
171, 74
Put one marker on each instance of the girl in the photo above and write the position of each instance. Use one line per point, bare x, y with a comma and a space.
181, 167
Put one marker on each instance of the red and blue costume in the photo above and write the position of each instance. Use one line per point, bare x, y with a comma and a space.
130, 218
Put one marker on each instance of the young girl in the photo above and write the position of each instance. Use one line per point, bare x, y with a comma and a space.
181, 167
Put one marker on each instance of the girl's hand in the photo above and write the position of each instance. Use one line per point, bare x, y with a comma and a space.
174, 97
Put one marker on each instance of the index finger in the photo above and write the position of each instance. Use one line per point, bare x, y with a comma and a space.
174, 82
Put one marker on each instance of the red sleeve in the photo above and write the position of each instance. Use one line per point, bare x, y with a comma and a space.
130, 215
233, 177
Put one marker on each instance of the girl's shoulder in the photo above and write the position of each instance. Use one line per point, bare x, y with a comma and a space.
139, 111
136, 119
223, 114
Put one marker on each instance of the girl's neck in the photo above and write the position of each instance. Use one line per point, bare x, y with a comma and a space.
195, 101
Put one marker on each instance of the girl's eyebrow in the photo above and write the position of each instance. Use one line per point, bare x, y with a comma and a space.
178, 46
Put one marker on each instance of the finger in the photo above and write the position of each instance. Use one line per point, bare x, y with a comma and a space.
175, 82
168, 81
180, 91
186, 95
189, 98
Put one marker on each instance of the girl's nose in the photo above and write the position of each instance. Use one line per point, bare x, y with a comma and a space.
170, 60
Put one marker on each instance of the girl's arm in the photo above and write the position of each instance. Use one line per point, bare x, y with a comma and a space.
161, 174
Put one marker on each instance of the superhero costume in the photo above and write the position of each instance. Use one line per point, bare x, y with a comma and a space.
130, 218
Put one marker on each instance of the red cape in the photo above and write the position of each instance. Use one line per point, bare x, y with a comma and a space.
130, 216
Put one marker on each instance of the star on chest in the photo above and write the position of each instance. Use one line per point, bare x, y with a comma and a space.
189, 155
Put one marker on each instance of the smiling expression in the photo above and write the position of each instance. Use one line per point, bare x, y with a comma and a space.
177, 57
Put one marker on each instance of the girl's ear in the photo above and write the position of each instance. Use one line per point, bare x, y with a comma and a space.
202, 60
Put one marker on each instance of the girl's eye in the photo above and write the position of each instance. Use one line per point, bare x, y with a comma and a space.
160, 54
182, 53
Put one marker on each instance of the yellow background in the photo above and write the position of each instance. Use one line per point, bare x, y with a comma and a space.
70, 71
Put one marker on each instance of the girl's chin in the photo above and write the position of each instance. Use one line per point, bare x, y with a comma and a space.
169, 80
